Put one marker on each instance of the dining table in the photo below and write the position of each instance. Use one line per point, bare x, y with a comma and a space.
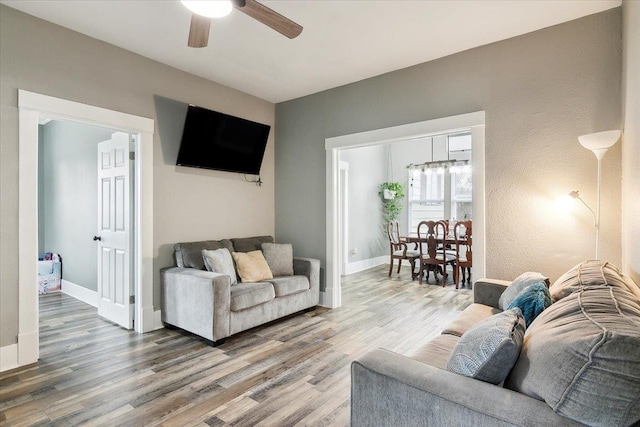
450, 239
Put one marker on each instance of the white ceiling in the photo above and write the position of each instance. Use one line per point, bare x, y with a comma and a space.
343, 41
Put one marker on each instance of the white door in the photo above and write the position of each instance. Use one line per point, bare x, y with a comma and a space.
114, 228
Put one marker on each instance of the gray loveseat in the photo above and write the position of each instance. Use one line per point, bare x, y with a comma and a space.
579, 364
207, 304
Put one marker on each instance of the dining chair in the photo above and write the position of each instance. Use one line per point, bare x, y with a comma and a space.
432, 236
399, 250
462, 233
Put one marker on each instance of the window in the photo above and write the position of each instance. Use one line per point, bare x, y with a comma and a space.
443, 188
461, 194
427, 196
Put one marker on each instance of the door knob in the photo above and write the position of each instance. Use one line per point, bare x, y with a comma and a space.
97, 238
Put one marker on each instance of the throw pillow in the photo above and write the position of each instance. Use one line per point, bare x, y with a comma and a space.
252, 267
519, 283
279, 256
489, 350
219, 261
532, 301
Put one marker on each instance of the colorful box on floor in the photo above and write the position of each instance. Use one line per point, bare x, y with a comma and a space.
49, 276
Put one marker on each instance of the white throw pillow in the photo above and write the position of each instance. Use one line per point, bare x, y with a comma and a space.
279, 256
220, 261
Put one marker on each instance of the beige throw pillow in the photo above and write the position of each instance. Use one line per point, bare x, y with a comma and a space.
252, 267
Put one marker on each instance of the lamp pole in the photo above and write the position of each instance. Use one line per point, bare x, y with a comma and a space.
598, 143
597, 217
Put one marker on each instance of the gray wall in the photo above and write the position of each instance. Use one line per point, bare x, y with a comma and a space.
631, 139
367, 170
188, 204
540, 91
70, 197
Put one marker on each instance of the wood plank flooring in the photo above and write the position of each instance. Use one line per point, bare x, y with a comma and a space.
295, 371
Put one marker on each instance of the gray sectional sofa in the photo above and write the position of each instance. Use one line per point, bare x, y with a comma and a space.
579, 364
207, 304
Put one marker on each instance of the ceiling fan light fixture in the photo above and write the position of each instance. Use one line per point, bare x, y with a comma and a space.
209, 8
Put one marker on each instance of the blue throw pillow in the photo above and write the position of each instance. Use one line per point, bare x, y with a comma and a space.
532, 301
521, 282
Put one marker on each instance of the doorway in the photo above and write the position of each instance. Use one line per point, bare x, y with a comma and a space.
331, 297
32, 108
85, 213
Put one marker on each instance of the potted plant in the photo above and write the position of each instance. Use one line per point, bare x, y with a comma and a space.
391, 194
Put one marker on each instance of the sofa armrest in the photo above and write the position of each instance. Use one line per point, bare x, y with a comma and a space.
309, 267
390, 389
197, 301
488, 291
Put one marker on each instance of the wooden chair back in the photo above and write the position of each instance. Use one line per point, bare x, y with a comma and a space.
393, 231
463, 234
432, 235
398, 248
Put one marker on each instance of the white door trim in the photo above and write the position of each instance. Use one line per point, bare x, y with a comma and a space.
32, 107
344, 217
475, 121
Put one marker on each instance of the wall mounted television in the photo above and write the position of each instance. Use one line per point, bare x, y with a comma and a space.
213, 140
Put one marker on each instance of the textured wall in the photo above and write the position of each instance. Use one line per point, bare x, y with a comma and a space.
631, 140
70, 197
189, 204
540, 91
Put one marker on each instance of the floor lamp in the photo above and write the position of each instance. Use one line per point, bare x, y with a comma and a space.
599, 143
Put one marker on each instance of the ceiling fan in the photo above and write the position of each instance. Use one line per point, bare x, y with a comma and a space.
203, 11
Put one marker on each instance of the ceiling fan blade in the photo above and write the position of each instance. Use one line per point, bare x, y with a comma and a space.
199, 31
269, 17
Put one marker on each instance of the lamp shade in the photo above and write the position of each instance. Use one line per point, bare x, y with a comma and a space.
599, 142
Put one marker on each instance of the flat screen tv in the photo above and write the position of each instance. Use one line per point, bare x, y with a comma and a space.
213, 140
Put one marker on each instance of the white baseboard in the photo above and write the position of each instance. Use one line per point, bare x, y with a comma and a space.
354, 267
8, 357
25, 352
78, 292
323, 300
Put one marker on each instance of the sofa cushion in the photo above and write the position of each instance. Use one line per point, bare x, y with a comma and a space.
279, 256
437, 351
247, 295
252, 267
592, 273
468, 318
532, 301
220, 261
289, 285
189, 255
519, 283
488, 351
248, 244
581, 357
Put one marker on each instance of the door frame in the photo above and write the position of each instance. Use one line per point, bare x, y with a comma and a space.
344, 216
33, 107
332, 296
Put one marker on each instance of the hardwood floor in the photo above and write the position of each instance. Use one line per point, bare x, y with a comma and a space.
295, 371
